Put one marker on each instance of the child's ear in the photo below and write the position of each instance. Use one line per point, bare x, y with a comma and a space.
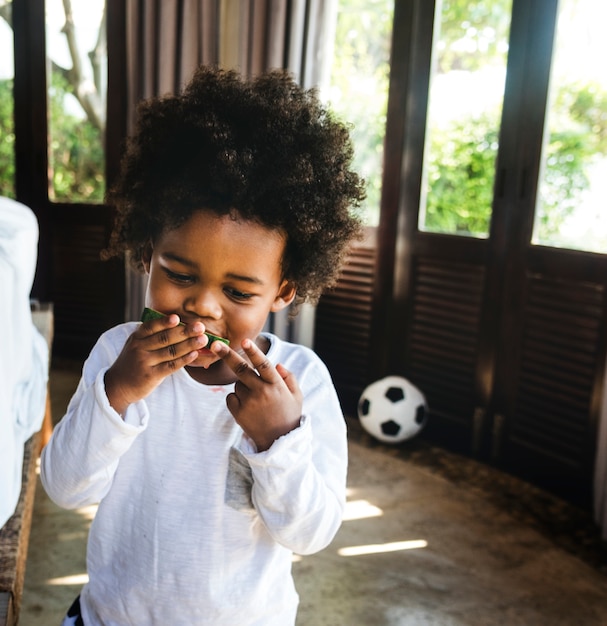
284, 297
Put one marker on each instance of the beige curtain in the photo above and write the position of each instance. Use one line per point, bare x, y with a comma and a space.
168, 39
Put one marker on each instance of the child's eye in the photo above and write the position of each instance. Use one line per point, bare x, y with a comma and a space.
178, 278
238, 295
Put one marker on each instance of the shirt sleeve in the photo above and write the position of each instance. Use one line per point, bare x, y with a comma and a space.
23, 351
299, 483
78, 463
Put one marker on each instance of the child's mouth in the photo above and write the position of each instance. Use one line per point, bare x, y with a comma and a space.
149, 314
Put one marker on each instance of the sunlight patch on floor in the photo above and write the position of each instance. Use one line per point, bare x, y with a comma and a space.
75, 579
378, 548
360, 509
88, 512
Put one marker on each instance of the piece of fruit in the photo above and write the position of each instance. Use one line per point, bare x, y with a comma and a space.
151, 314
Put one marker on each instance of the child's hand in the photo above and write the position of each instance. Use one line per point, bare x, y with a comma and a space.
266, 401
156, 349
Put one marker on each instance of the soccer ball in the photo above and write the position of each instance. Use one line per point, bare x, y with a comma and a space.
392, 409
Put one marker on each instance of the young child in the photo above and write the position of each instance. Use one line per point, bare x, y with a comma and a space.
211, 463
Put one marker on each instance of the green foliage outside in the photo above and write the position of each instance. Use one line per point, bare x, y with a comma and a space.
7, 140
460, 176
76, 156
578, 141
462, 165
359, 86
468, 21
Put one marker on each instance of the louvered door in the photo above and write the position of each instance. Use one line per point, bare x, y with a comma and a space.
443, 349
518, 384
503, 329
343, 321
550, 373
560, 345
512, 369
88, 293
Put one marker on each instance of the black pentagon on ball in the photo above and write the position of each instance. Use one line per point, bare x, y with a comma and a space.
420, 414
390, 428
395, 394
364, 407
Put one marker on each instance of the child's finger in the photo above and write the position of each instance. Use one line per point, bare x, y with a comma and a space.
234, 361
154, 326
179, 362
169, 338
174, 351
242, 368
261, 363
288, 378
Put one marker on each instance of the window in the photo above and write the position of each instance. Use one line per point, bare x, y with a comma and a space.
465, 105
7, 129
570, 210
77, 80
358, 90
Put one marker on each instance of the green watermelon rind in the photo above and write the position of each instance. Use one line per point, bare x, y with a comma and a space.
151, 314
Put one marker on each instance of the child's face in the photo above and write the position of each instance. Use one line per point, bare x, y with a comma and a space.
222, 272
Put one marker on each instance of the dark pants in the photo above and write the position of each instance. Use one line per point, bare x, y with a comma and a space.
73, 617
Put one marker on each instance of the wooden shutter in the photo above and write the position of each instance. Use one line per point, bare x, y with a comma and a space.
343, 321
549, 435
447, 301
87, 293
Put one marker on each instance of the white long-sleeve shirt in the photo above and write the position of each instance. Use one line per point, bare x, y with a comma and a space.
23, 350
194, 526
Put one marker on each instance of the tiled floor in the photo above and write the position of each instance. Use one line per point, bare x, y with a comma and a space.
429, 539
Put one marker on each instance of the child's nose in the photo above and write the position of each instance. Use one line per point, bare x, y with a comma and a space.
206, 304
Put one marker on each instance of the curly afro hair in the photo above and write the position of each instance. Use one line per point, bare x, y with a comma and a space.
264, 147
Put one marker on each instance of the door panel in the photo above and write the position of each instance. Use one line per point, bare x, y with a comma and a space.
443, 343
561, 334
528, 319
551, 373
504, 337
343, 319
88, 293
